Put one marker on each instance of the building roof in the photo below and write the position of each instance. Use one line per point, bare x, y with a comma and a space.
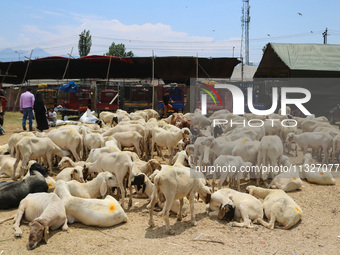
112, 67
300, 60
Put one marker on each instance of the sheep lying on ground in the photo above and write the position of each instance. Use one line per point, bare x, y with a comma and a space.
94, 188
43, 211
12, 193
231, 204
93, 212
278, 207
71, 173
288, 180
315, 174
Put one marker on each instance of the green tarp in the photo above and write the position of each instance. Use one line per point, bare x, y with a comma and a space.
300, 60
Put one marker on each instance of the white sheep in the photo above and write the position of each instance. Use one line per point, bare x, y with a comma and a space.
278, 207
118, 163
228, 166
231, 204
175, 183
270, 148
93, 212
71, 173
130, 138
92, 189
43, 211
34, 148
164, 138
315, 174
289, 179
314, 140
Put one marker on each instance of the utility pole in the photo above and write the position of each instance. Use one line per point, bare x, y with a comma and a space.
325, 34
245, 27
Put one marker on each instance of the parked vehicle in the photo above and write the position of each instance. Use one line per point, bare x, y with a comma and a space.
177, 94
107, 100
137, 97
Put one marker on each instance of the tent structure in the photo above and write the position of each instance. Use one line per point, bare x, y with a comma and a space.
284, 60
315, 67
104, 67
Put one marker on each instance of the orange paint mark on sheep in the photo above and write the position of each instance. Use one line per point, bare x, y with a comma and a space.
50, 184
294, 179
321, 173
112, 207
297, 209
243, 142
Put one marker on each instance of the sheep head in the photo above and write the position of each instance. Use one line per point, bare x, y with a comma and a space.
205, 194
227, 211
38, 231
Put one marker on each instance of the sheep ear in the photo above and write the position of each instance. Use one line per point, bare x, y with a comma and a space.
73, 175
230, 196
46, 234
103, 188
221, 213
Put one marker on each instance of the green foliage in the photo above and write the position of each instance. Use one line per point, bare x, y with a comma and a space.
85, 43
119, 50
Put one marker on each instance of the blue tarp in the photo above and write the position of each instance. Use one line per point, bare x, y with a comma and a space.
70, 87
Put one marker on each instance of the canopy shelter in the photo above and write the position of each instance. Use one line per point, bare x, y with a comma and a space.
104, 67
284, 60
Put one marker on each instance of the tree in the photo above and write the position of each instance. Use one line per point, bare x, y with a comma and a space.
85, 43
119, 50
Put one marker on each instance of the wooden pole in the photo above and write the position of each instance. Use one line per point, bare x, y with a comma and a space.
6, 74
23, 80
152, 80
67, 64
108, 72
196, 67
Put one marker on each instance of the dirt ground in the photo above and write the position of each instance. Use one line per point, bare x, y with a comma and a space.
317, 233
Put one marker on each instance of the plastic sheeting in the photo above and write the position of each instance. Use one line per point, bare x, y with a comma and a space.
88, 117
70, 87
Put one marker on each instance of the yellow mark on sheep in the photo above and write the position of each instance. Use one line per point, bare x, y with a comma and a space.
294, 179
112, 207
297, 209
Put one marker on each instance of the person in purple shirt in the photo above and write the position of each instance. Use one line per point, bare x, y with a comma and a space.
26, 107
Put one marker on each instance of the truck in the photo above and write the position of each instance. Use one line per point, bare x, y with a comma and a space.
177, 94
137, 97
77, 103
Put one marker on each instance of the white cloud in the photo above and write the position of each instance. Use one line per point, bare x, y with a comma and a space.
141, 39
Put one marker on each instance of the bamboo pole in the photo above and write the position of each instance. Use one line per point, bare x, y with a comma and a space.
23, 79
6, 74
67, 64
108, 72
152, 80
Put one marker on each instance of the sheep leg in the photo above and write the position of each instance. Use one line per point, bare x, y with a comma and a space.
191, 201
179, 215
246, 221
130, 198
152, 206
151, 148
170, 155
23, 165
14, 168
122, 190
20, 213
65, 227
166, 210
75, 154
50, 166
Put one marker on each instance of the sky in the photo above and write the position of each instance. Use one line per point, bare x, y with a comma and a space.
164, 28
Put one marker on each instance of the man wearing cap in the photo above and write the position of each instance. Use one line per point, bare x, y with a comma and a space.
26, 107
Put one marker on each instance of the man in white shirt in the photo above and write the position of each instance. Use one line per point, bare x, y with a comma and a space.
52, 117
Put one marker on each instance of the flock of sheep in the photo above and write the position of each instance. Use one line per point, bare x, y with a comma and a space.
93, 165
